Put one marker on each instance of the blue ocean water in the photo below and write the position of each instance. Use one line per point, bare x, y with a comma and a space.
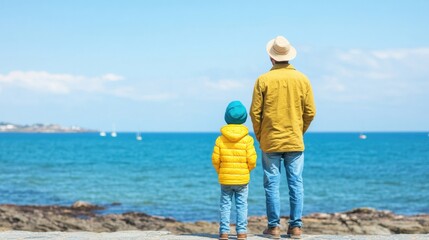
170, 174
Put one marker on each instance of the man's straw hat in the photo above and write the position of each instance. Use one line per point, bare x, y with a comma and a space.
280, 49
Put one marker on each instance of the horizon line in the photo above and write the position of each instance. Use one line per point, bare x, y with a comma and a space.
310, 132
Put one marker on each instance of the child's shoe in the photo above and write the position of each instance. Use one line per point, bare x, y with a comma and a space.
223, 236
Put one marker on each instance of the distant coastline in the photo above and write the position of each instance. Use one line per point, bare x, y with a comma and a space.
41, 128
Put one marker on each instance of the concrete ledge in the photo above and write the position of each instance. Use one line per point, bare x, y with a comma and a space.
164, 235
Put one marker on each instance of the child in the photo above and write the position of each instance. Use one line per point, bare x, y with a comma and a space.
233, 157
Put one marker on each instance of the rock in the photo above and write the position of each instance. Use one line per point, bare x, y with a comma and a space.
81, 204
2, 229
364, 210
82, 217
85, 206
320, 215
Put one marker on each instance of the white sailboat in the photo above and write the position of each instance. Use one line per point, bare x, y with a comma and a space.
113, 133
102, 133
138, 137
362, 136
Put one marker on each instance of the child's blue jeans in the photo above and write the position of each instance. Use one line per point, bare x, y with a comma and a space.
239, 193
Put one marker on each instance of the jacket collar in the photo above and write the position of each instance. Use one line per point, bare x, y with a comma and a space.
283, 65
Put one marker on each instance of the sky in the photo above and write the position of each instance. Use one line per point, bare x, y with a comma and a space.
173, 66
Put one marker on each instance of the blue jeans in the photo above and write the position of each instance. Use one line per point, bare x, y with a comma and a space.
294, 165
239, 192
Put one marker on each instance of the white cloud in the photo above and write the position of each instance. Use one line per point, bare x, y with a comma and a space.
112, 77
333, 84
42, 81
401, 54
362, 75
54, 83
131, 93
224, 85
357, 57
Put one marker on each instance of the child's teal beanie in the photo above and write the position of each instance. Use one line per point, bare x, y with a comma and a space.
235, 113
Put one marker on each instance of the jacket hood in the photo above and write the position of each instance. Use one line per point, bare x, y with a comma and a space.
234, 132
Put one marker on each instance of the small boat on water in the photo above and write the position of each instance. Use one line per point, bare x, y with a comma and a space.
362, 136
138, 137
113, 133
102, 134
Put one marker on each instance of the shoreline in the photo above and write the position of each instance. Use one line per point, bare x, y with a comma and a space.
83, 217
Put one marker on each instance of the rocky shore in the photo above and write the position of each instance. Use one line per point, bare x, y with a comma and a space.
83, 217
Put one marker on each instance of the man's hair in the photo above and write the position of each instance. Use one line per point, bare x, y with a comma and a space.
281, 62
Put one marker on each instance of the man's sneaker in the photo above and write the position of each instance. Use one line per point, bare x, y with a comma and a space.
272, 232
223, 236
241, 236
294, 232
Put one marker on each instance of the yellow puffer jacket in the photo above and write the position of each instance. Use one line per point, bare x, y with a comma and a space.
234, 155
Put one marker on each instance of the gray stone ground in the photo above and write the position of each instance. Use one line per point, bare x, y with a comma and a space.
158, 235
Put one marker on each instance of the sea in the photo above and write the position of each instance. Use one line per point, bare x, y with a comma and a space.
171, 174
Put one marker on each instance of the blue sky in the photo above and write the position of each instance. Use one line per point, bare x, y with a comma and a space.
175, 65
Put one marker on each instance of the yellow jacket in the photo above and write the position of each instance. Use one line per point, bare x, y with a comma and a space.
234, 155
282, 109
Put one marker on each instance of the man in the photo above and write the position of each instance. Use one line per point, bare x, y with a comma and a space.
281, 111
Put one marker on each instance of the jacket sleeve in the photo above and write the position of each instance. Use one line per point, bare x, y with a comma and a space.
309, 109
251, 154
256, 109
216, 156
